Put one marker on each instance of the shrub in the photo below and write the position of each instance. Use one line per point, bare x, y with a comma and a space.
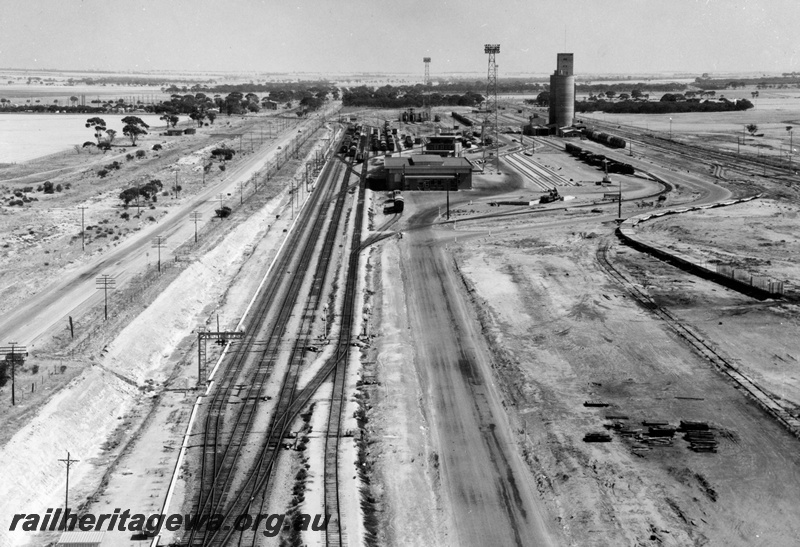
156, 147
140, 153
125, 215
223, 212
67, 186
129, 157
59, 188
39, 188
48, 187
151, 219
102, 173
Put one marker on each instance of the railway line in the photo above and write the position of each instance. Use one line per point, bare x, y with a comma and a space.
224, 428
738, 165
234, 479
703, 347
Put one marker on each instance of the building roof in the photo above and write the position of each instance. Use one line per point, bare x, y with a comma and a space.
425, 161
75, 538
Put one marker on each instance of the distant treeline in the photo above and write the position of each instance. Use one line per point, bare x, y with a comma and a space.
661, 107
43, 108
789, 79
629, 87
405, 97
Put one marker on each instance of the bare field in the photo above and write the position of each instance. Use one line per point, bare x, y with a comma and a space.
571, 336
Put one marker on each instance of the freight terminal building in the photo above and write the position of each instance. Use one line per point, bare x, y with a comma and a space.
427, 172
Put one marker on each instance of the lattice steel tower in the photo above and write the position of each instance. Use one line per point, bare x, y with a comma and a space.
491, 104
426, 105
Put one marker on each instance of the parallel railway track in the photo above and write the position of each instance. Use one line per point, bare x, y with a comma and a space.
231, 486
702, 346
217, 469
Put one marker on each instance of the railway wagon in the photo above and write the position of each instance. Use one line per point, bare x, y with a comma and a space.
611, 141
463, 120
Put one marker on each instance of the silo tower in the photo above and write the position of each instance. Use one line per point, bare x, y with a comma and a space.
562, 92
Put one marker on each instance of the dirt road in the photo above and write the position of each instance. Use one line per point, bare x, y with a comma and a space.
487, 484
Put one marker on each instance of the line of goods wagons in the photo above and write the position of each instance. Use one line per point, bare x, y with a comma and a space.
586, 156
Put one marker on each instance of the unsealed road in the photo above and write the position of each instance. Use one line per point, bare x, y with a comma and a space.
489, 488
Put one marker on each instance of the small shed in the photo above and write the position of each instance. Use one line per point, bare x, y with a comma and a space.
80, 539
174, 132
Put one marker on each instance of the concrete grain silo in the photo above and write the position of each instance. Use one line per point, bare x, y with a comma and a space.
562, 93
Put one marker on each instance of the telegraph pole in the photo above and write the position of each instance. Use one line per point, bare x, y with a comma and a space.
106, 283
158, 242
195, 217
83, 232
14, 353
68, 461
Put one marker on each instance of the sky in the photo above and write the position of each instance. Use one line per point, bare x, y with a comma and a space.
392, 36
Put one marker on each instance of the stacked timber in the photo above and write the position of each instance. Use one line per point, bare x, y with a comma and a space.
699, 436
597, 437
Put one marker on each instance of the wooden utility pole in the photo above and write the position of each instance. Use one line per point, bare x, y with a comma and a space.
106, 283
68, 461
158, 243
83, 232
14, 353
195, 217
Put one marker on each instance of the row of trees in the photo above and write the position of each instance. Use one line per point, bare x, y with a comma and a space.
661, 107
405, 97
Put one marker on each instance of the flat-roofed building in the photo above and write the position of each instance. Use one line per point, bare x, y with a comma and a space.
428, 172
443, 145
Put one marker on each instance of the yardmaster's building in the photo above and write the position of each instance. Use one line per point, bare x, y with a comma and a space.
427, 172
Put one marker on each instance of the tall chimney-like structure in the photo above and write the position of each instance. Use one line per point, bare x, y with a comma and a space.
562, 92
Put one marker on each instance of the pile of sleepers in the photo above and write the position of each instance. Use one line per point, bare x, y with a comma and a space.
699, 436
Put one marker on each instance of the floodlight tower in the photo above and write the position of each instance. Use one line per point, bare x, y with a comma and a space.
425, 102
491, 102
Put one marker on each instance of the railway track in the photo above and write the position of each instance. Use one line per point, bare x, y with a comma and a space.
702, 346
222, 493
217, 469
741, 165
335, 534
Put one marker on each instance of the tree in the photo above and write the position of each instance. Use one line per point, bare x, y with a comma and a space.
636, 93
624, 96
543, 98
133, 128
99, 126
752, 128
198, 116
611, 93
73, 100
211, 117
